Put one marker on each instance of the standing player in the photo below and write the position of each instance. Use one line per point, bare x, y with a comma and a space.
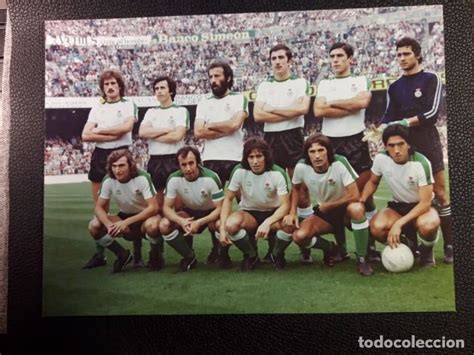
413, 101
201, 193
164, 127
134, 194
341, 102
331, 180
281, 104
219, 121
264, 190
109, 125
408, 174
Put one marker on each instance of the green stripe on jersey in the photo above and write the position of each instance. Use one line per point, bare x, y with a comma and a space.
418, 157
177, 174
302, 161
246, 105
205, 172
135, 110
308, 88
188, 124
218, 195
346, 163
285, 175
238, 166
148, 178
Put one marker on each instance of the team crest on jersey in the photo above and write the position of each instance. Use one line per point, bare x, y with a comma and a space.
227, 107
268, 188
204, 194
138, 193
119, 114
185, 190
171, 121
118, 192
418, 92
331, 182
354, 88
411, 180
289, 93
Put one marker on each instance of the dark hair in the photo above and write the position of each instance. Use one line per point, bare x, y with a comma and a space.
319, 139
228, 72
171, 85
259, 144
278, 47
112, 74
413, 43
397, 130
184, 151
116, 155
346, 47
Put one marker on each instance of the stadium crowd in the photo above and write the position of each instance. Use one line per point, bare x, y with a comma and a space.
72, 71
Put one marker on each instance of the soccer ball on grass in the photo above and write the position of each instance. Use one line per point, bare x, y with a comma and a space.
398, 259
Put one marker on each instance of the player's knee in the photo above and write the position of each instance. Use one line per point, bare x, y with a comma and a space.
377, 228
165, 226
95, 227
356, 210
288, 229
233, 223
152, 225
428, 227
299, 236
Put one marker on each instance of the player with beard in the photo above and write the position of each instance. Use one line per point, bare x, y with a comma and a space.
109, 126
219, 121
413, 101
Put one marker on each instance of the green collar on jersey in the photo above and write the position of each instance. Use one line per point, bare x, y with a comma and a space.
291, 77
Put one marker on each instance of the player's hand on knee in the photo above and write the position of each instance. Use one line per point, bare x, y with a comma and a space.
224, 239
393, 238
263, 230
291, 220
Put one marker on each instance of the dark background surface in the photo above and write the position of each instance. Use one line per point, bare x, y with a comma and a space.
256, 333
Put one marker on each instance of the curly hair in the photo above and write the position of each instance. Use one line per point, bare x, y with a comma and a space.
116, 155
261, 145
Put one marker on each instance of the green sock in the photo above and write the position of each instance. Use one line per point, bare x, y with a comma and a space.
178, 242
282, 241
360, 229
241, 241
322, 244
116, 248
340, 236
99, 249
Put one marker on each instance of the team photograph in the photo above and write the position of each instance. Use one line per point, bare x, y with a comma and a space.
273, 162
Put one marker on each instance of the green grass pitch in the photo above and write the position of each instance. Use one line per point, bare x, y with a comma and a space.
70, 291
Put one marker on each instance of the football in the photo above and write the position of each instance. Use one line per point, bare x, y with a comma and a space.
398, 259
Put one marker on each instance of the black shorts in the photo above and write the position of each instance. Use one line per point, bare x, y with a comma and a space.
426, 141
356, 151
135, 228
160, 167
334, 217
403, 208
259, 216
222, 168
197, 215
98, 168
286, 146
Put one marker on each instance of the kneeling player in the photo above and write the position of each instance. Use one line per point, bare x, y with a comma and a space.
332, 183
201, 193
410, 179
134, 194
264, 189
